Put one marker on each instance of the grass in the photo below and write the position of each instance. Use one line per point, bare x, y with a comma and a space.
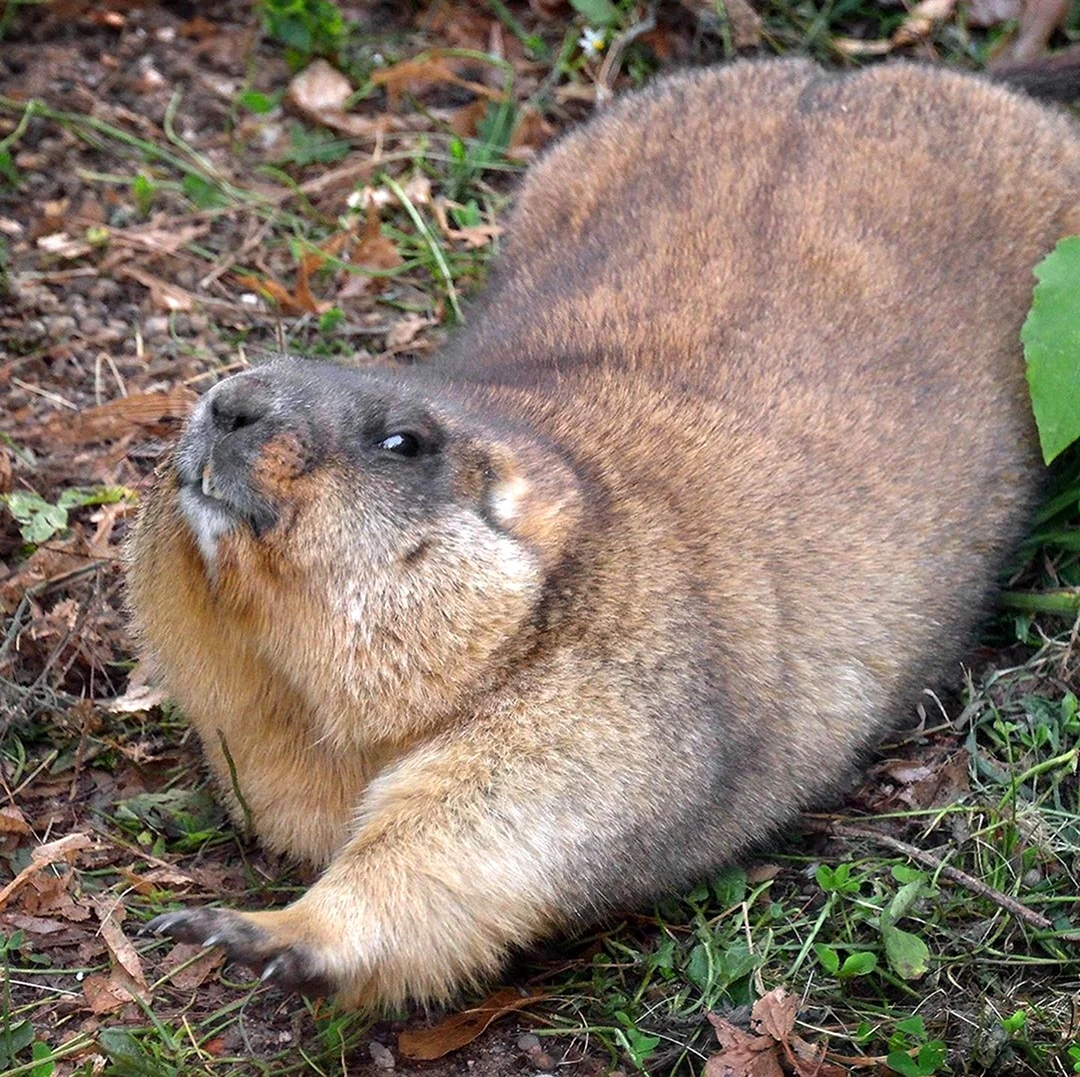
891, 957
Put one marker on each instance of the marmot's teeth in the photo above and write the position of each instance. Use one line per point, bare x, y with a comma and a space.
208, 487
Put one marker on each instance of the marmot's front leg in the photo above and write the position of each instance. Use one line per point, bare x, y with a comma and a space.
463, 850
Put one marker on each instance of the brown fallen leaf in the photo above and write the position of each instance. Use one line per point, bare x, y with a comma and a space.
745, 22
531, 133
161, 236
12, 821
138, 699
148, 881
742, 1054
774, 1014
190, 976
462, 1028
477, 235
153, 413
119, 945
319, 93
922, 21
62, 850
406, 330
103, 995
64, 246
163, 296
424, 70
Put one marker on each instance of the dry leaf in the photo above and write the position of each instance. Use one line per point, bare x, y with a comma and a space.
149, 881
745, 22
12, 821
160, 237
163, 296
774, 1014
406, 330
194, 975
741, 1053
64, 246
136, 413
922, 20
531, 132
461, 1029
372, 251
477, 235
430, 68
319, 93
54, 852
138, 699
119, 945
103, 995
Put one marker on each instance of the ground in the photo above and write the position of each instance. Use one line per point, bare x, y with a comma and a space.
168, 213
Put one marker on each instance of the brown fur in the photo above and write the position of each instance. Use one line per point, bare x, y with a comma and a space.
720, 477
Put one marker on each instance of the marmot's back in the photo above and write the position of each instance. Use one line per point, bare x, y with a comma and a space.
719, 477
763, 212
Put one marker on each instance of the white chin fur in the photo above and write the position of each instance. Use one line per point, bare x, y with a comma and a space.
208, 522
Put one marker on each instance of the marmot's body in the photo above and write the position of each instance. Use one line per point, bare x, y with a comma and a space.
719, 477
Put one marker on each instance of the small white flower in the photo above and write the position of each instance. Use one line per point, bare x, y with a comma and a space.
592, 42
249, 299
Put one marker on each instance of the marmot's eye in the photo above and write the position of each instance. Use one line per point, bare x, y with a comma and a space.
402, 444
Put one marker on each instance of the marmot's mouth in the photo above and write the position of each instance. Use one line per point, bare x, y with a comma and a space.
208, 517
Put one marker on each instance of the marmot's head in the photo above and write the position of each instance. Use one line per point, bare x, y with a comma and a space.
376, 538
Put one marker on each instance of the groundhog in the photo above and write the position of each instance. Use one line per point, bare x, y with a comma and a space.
719, 476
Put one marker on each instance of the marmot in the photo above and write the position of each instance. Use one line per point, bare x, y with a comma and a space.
719, 476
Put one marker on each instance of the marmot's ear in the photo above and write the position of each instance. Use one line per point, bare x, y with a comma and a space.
535, 496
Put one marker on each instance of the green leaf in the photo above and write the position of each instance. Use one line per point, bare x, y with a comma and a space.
79, 496
13, 1039
1051, 337
736, 962
699, 969
829, 958
699, 895
256, 102
858, 964
8, 172
202, 192
912, 1026
38, 520
143, 189
903, 874
1015, 1023
597, 12
730, 887
930, 1056
42, 1053
901, 1062
907, 954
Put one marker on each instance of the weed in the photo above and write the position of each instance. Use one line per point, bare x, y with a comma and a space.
306, 28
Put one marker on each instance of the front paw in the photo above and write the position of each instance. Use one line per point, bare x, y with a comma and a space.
286, 962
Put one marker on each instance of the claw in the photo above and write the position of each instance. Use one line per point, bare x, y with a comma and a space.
273, 968
160, 925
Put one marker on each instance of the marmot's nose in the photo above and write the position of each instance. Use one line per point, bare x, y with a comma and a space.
237, 403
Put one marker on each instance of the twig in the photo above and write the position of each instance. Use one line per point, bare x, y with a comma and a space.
610, 67
976, 886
